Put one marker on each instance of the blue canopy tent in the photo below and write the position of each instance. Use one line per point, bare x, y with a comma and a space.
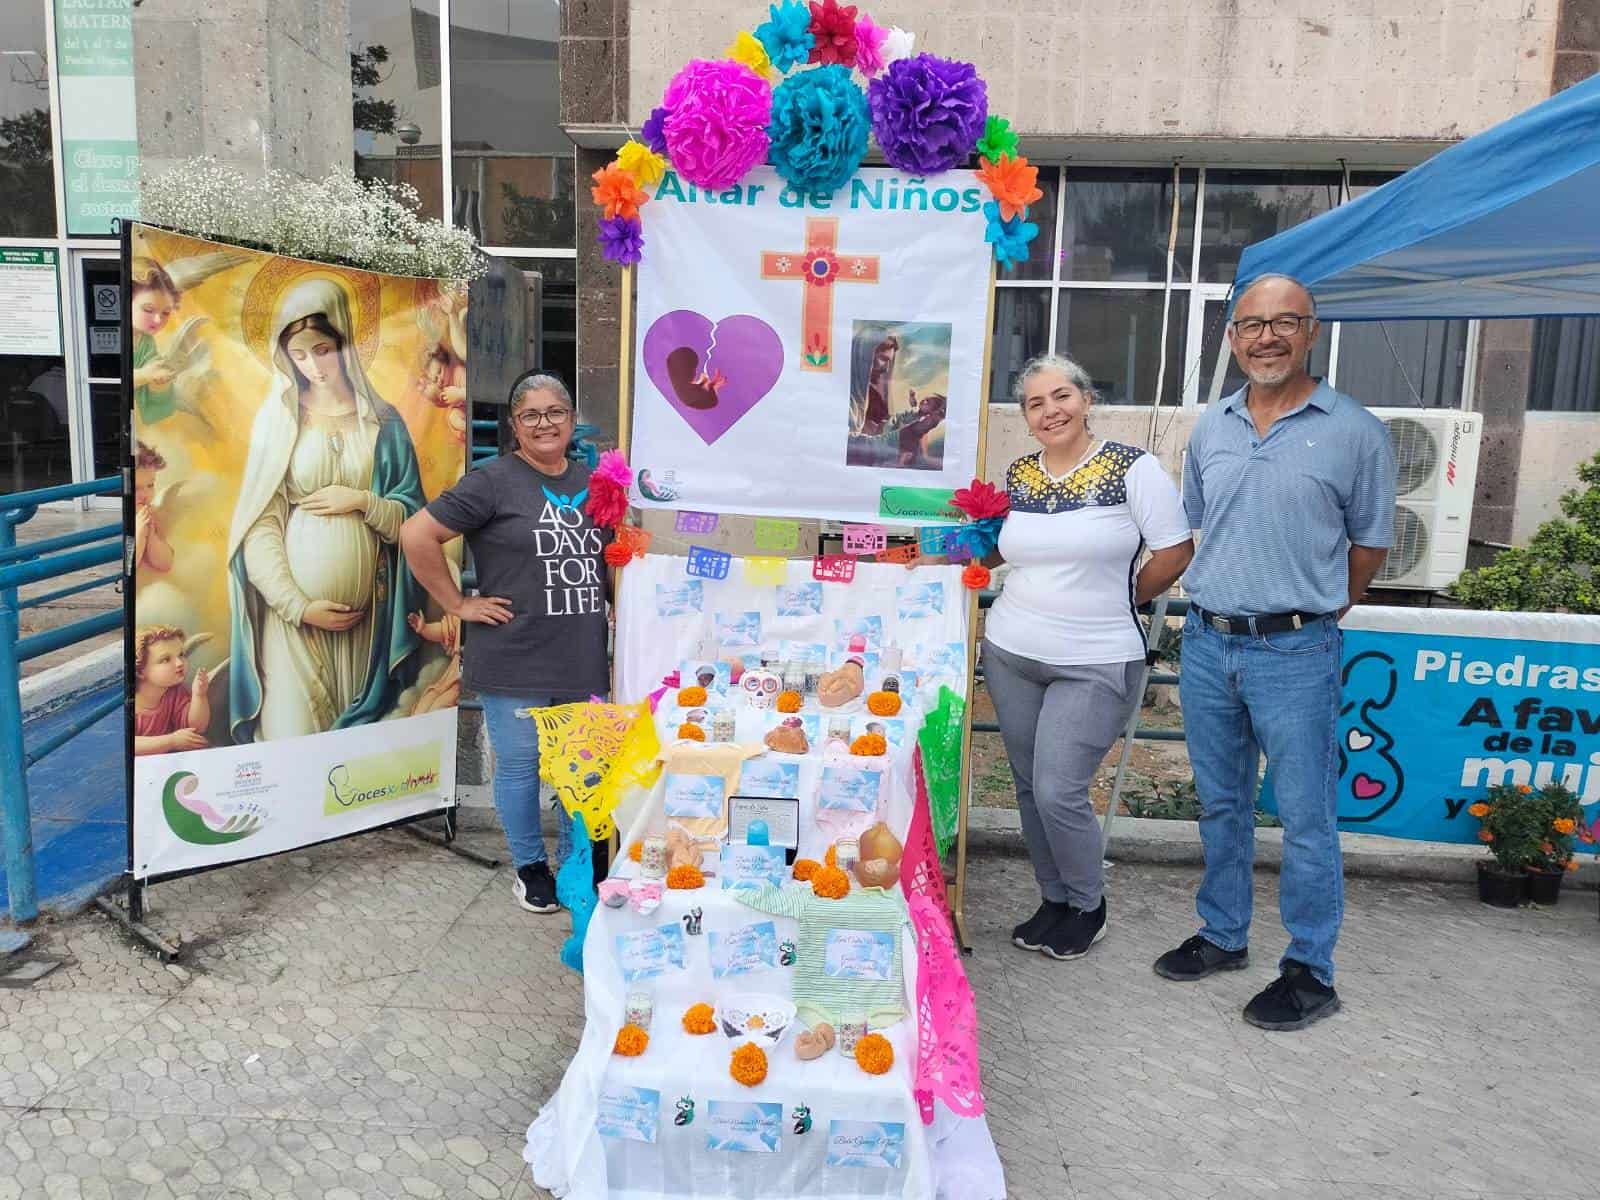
1503, 224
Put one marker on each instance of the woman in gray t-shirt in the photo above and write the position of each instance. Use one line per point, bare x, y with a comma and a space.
535, 634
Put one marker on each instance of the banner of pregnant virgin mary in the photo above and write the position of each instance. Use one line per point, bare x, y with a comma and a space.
292, 681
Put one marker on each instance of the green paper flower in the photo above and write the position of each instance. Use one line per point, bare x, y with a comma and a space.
998, 138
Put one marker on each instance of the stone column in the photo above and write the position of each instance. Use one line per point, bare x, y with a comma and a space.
258, 84
594, 96
1505, 371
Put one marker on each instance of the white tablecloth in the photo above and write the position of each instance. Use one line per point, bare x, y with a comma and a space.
952, 1159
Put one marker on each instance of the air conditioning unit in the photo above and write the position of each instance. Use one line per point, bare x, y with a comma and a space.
1436, 452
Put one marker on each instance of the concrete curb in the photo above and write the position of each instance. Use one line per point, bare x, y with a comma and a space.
57, 685
1177, 843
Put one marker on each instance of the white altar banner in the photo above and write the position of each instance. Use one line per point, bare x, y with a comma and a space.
799, 354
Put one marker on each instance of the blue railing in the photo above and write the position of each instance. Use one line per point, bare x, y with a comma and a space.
35, 562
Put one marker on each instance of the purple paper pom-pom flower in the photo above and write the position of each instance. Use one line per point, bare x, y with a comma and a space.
928, 113
622, 239
716, 126
652, 132
819, 129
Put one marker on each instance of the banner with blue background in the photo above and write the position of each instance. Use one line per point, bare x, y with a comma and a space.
1439, 705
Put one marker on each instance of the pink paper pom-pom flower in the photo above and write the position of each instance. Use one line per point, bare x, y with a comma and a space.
614, 467
716, 128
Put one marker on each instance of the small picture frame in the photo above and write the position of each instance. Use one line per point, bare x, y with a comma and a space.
781, 814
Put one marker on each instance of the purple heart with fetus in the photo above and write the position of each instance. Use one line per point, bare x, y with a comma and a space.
712, 373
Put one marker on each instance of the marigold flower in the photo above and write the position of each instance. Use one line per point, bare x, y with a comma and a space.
691, 697
699, 1019
874, 1054
615, 191
831, 858
631, 1041
830, 883
685, 877
789, 702
883, 704
1013, 182
1564, 825
870, 745
805, 868
691, 733
1479, 810
749, 1064
636, 851
1524, 788
1485, 836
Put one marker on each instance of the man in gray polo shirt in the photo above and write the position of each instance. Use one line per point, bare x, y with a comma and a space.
1292, 488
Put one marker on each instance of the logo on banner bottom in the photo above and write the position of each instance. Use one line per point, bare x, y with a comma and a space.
380, 778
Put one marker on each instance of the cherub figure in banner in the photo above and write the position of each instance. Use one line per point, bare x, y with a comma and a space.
168, 380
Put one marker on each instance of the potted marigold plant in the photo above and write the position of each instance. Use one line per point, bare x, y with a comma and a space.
1562, 814
1529, 833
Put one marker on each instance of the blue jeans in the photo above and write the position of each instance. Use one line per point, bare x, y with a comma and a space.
1243, 694
516, 777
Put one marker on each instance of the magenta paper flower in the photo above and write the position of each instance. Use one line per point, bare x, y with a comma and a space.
716, 127
869, 46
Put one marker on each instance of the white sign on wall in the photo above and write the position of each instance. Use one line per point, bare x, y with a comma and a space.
30, 302
799, 354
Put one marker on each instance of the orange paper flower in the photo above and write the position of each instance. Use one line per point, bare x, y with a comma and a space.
874, 1054
691, 697
1013, 182
789, 702
749, 1064
685, 877
1479, 810
975, 578
699, 1019
691, 732
631, 1041
617, 555
1564, 825
1524, 788
616, 192
636, 851
870, 745
805, 868
883, 704
831, 883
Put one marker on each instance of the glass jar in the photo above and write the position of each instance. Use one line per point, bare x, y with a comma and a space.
852, 1028
640, 1008
653, 857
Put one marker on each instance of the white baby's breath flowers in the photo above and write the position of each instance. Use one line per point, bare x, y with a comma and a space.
338, 219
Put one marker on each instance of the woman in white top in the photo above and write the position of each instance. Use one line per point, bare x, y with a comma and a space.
1063, 648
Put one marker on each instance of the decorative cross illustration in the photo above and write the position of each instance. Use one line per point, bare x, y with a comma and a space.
820, 267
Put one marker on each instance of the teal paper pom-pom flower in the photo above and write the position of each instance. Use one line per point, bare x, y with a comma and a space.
787, 35
1009, 238
819, 129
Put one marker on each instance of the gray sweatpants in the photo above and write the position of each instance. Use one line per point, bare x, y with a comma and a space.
1057, 724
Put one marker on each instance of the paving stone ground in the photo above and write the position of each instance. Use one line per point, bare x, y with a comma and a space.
376, 1019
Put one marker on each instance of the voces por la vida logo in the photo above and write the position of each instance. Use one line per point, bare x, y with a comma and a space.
201, 821
357, 783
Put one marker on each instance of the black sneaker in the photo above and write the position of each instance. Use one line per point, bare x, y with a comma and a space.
535, 888
1197, 958
1027, 934
1073, 934
1292, 1001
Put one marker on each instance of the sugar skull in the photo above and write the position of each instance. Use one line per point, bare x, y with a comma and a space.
761, 688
